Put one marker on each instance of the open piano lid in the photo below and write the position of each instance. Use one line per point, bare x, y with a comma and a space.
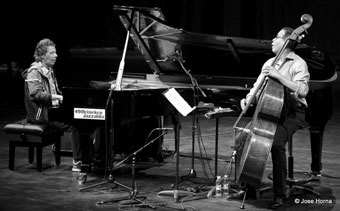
210, 58
204, 54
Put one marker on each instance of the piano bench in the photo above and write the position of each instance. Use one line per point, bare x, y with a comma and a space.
23, 134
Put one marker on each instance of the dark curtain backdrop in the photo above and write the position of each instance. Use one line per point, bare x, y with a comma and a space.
260, 19
93, 24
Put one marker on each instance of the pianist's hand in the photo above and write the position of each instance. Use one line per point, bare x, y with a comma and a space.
57, 97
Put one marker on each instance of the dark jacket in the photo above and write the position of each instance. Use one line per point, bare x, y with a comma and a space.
38, 98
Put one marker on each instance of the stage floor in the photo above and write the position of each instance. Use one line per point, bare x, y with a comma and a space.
57, 188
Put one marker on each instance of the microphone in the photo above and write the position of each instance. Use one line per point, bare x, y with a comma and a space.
165, 129
175, 56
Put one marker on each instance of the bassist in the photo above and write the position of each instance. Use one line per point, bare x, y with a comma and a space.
292, 72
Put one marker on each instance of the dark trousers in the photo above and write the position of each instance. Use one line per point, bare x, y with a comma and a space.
288, 125
75, 139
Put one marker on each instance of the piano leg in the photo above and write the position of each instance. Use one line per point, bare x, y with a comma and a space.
316, 140
317, 122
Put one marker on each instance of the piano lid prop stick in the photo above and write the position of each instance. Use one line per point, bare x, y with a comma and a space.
121, 65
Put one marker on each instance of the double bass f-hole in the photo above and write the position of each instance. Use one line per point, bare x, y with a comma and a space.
253, 142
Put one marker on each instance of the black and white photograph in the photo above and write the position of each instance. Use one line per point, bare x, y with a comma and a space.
166, 105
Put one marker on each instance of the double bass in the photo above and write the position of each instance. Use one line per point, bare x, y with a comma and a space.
253, 142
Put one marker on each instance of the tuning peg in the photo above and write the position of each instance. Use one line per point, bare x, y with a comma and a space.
300, 38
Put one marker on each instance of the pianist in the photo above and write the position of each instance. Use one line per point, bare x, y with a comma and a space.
42, 93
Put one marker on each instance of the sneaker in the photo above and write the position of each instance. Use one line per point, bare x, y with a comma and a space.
315, 176
76, 166
277, 203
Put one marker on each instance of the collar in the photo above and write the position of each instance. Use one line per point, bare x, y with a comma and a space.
41, 68
290, 56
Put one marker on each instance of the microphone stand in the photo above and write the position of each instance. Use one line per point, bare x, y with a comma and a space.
110, 136
196, 88
178, 193
133, 190
109, 146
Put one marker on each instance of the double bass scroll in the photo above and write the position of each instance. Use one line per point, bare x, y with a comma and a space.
253, 142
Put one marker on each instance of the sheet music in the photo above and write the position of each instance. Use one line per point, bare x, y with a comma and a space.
178, 102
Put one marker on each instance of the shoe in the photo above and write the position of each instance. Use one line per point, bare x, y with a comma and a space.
97, 161
237, 195
277, 203
76, 166
315, 176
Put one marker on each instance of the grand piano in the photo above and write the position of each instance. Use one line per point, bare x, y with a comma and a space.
223, 68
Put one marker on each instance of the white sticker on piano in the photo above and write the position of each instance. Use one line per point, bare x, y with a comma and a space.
89, 113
